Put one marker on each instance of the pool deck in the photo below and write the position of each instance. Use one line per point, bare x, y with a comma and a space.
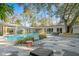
62, 46
66, 46
7, 47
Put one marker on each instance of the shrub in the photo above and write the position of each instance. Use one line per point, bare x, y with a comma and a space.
23, 41
42, 35
20, 42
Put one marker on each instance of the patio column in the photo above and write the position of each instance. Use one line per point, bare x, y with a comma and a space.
43, 29
27, 30
5, 30
15, 31
46, 30
23, 31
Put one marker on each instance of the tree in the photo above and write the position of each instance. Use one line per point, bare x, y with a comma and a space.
33, 22
5, 9
43, 22
77, 21
68, 12
18, 22
7, 20
27, 14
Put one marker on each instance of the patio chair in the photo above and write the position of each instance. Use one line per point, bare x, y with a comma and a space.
37, 40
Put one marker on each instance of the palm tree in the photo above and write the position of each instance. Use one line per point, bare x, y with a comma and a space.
5, 10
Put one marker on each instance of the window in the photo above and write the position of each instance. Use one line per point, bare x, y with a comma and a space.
52, 29
60, 30
49, 30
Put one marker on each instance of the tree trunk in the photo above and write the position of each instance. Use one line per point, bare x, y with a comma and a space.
69, 29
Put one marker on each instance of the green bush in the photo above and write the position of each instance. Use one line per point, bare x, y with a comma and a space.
20, 42
23, 41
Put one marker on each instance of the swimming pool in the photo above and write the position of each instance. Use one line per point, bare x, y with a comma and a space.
18, 37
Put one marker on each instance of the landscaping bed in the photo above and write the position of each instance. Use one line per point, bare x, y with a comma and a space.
29, 40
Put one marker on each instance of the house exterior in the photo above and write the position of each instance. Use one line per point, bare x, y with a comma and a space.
55, 28
48, 29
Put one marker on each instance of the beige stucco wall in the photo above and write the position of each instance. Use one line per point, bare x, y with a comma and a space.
76, 29
57, 26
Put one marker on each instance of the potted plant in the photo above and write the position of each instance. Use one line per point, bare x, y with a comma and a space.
29, 41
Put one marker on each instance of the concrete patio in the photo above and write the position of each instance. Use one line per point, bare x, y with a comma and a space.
62, 46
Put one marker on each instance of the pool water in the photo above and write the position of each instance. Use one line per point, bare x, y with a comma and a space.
18, 37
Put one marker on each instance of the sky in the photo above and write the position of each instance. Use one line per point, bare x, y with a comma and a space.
19, 10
